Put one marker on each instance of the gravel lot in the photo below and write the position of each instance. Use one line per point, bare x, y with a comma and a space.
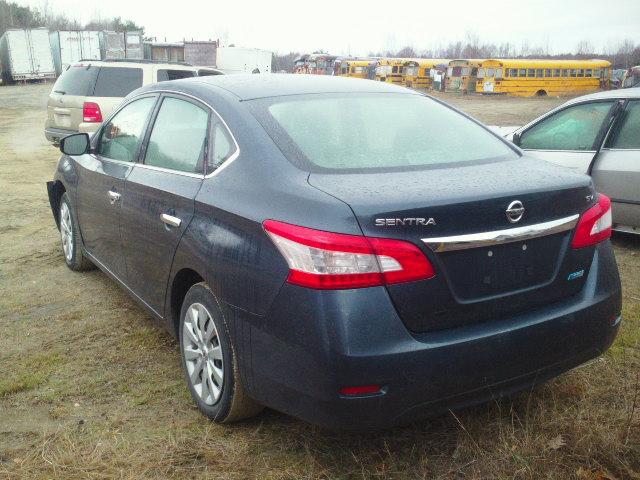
91, 387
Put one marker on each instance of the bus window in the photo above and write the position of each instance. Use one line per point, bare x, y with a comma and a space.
556, 72
539, 72
498, 73
456, 71
513, 72
580, 73
449, 71
588, 73
522, 72
596, 72
547, 72
490, 72
474, 71
565, 72
531, 72
465, 71
481, 73
573, 72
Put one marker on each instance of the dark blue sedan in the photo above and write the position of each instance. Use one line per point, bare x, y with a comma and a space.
346, 251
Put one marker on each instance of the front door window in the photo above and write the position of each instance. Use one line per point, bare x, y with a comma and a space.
574, 128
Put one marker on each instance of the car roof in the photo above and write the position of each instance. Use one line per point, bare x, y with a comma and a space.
263, 85
607, 94
134, 64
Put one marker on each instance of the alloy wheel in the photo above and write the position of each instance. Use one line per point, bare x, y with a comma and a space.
66, 231
203, 353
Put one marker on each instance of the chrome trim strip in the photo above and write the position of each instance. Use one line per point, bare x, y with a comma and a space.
498, 237
168, 170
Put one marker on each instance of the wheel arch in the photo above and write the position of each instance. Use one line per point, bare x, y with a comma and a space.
55, 190
182, 281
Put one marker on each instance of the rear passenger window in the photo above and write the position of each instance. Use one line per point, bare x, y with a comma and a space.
627, 136
77, 80
117, 81
120, 138
178, 145
222, 149
164, 74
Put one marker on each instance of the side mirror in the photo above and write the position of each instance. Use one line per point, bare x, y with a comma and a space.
516, 139
76, 144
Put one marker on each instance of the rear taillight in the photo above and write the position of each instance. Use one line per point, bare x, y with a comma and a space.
326, 260
594, 225
91, 113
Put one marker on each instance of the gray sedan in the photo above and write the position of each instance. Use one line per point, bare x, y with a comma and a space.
598, 134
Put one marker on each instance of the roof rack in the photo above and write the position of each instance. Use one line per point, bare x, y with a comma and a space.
136, 60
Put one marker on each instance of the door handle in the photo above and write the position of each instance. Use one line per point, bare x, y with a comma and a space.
170, 220
113, 197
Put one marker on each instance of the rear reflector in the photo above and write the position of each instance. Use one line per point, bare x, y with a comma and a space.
326, 260
594, 225
91, 113
361, 390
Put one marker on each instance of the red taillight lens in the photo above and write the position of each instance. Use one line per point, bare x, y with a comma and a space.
360, 390
91, 112
594, 225
326, 260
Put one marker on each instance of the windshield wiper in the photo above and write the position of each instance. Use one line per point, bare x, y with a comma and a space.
60, 91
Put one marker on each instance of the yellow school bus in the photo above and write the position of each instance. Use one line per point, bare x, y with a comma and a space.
416, 71
527, 78
355, 68
462, 75
391, 70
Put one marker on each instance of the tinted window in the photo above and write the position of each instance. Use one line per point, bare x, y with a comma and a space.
77, 81
117, 81
354, 131
222, 146
178, 145
574, 128
627, 135
207, 73
164, 75
121, 137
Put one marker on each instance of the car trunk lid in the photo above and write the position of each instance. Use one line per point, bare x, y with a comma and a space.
482, 280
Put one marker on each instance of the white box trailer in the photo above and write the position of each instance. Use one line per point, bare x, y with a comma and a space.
243, 60
26, 55
69, 47
112, 44
133, 45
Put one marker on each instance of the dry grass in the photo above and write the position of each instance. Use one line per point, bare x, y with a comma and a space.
90, 387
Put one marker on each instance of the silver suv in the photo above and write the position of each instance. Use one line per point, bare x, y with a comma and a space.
89, 91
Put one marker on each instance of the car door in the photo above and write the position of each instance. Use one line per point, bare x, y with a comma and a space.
101, 176
569, 137
616, 170
159, 194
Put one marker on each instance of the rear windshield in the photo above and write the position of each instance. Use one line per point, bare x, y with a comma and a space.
77, 80
375, 131
117, 81
164, 74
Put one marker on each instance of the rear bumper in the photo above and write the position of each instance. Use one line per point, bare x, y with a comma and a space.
54, 135
313, 343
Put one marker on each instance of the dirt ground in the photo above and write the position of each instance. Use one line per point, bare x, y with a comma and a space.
91, 387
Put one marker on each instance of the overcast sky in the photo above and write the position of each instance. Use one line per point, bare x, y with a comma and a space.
359, 27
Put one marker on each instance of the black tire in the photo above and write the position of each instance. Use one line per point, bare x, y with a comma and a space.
76, 260
233, 403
